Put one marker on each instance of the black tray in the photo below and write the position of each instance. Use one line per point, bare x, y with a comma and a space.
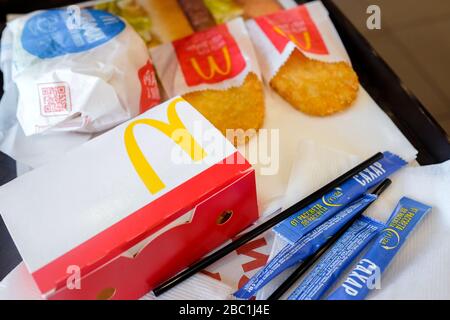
375, 75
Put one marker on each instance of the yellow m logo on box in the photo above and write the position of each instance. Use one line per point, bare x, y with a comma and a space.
175, 130
213, 67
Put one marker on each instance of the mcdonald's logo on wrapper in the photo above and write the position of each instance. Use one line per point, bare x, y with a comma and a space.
175, 130
296, 26
209, 57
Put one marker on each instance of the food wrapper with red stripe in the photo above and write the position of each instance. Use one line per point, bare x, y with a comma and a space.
306, 28
304, 61
218, 58
216, 71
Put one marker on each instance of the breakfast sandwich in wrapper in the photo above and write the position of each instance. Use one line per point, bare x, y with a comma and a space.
303, 59
86, 75
216, 71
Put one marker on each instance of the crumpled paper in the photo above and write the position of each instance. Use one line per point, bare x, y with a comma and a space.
32, 151
74, 78
100, 87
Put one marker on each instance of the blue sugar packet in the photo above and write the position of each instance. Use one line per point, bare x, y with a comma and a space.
303, 248
296, 226
337, 259
407, 214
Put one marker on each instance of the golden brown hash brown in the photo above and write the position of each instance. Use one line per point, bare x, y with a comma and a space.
315, 87
235, 108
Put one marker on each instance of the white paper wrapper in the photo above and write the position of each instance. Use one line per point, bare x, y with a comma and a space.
86, 76
218, 58
36, 150
308, 25
106, 87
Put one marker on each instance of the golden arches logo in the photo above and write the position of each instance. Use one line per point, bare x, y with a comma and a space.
213, 67
385, 246
306, 38
175, 130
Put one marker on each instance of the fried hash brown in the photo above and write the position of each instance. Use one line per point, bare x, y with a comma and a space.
235, 108
315, 87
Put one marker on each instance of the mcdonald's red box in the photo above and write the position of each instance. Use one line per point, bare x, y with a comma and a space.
125, 211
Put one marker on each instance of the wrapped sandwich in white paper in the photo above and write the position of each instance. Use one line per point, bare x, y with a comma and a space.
85, 71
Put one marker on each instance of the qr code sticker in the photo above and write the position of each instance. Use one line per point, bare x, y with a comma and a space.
54, 98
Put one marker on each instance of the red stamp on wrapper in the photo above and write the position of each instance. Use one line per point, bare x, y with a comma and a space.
54, 99
294, 25
209, 57
149, 87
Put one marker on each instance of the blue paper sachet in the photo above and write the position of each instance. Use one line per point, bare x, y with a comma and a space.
303, 248
297, 225
407, 214
341, 254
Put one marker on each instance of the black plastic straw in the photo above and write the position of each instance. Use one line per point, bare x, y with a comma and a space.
210, 259
308, 262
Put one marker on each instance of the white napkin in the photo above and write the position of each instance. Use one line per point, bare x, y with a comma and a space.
197, 287
362, 130
19, 285
420, 269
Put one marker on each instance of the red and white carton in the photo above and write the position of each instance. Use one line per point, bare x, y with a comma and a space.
217, 58
130, 208
306, 27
